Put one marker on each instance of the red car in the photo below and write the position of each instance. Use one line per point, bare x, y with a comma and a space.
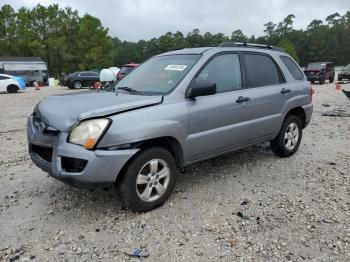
320, 72
126, 69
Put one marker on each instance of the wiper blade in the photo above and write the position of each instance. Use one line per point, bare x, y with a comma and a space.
130, 90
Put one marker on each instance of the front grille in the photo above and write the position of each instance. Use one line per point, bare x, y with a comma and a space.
42, 127
73, 165
43, 152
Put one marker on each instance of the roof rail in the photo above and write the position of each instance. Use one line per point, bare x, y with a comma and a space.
237, 44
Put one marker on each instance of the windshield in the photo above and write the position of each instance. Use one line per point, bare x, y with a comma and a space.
159, 75
347, 68
125, 69
316, 66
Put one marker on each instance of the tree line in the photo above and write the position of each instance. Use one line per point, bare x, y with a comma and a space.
68, 42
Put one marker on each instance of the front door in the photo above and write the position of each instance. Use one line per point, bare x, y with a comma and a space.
220, 122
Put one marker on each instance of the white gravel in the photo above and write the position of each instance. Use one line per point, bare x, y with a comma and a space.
293, 209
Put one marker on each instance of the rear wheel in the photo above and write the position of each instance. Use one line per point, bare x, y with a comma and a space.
12, 89
340, 78
77, 84
321, 82
288, 140
148, 180
331, 79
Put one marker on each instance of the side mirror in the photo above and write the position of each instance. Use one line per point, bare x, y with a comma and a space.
201, 88
107, 75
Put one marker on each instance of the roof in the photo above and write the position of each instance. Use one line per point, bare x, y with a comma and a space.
131, 65
225, 46
5, 75
20, 59
321, 63
188, 51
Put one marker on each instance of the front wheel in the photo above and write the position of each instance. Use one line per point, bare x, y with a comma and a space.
77, 84
148, 180
12, 89
288, 140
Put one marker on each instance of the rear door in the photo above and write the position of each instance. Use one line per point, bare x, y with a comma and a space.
220, 122
268, 92
83, 77
93, 77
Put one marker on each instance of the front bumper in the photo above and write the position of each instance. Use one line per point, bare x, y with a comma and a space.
315, 78
53, 154
344, 76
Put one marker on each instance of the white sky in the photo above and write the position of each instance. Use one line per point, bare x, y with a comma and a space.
133, 20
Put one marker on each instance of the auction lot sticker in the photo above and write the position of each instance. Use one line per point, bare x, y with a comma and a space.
176, 67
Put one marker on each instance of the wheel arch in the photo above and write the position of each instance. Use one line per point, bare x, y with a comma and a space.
12, 85
298, 112
167, 142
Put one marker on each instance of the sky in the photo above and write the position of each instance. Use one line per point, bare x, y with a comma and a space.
132, 20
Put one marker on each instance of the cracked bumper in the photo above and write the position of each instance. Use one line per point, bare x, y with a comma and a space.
101, 166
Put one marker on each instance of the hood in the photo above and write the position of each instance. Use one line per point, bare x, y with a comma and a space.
61, 112
312, 70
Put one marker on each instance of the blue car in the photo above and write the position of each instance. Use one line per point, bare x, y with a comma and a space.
11, 84
21, 81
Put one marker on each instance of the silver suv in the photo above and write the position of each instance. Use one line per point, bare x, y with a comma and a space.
173, 110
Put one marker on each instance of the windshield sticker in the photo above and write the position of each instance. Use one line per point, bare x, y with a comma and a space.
176, 67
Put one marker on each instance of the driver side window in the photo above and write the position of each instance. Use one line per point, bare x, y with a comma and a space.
224, 71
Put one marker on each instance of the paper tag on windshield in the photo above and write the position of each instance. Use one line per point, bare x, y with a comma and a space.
176, 67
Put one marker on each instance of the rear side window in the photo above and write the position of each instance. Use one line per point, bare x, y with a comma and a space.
92, 74
292, 67
4, 78
261, 70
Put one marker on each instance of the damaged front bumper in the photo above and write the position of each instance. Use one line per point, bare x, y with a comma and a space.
73, 164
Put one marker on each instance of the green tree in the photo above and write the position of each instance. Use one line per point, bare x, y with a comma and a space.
289, 48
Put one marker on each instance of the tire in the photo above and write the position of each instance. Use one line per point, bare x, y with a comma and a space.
331, 79
321, 82
280, 145
77, 85
312, 82
340, 78
12, 89
151, 191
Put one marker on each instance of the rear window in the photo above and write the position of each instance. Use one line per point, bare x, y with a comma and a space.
261, 70
316, 66
292, 67
125, 69
4, 77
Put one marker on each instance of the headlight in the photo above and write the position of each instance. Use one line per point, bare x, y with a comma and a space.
88, 132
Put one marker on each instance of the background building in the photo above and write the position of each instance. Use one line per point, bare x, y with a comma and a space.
31, 68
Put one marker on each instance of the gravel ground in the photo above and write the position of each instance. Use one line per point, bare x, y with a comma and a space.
244, 206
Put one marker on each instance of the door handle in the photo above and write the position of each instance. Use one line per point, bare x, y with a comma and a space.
242, 99
285, 91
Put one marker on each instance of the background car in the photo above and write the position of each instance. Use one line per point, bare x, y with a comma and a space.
126, 69
11, 84
320, 71
82, 79
344, 73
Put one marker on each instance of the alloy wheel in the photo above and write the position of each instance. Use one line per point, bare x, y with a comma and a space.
152, 180
291, 136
